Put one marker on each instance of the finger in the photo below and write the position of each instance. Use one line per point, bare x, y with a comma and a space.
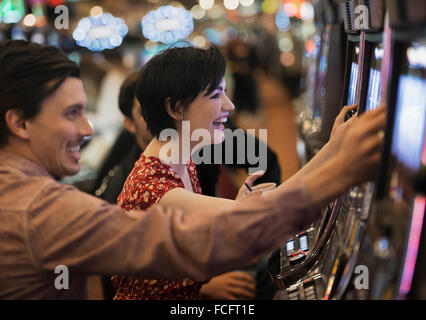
372, 123
241, 275
252, 178
345, 110
373, 144
229, 296
242, 293
351, 120
248, 194
375, 112
248, 286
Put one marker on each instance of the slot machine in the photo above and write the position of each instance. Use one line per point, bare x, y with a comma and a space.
326, 271
389, 252
304, 247
324, 80
325, 76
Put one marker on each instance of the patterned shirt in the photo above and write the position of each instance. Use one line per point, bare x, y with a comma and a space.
148, 182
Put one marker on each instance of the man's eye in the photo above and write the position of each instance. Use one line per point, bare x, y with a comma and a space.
72, 113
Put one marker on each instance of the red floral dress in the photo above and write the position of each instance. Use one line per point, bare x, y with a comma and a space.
148, 182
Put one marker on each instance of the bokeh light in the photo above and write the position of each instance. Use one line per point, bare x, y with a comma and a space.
206, 4
101, 32
167, 24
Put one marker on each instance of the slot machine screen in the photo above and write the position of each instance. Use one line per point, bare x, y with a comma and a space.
353, 76
409, 125
322, 69
303, 241
290, 246
373, 94
312, 60
407, 148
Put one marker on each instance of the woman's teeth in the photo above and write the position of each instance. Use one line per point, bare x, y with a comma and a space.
218, 122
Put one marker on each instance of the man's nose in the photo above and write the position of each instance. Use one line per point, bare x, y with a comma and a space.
86, 129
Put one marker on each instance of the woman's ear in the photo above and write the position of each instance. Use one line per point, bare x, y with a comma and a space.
176, 114
129, 125
16, 123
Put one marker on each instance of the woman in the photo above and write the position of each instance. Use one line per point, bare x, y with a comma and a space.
177, 89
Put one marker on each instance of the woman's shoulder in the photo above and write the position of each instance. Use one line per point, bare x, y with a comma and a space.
149, 180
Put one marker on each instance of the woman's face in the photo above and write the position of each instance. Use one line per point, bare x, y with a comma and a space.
209, 113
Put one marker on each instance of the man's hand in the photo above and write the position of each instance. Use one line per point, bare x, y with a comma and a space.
235, 285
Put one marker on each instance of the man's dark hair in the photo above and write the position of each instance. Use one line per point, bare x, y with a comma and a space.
29, 74
127, 94
180, 75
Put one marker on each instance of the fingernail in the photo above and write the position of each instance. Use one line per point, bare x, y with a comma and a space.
260, 172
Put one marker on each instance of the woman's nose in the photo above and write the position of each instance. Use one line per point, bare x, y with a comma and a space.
228, 105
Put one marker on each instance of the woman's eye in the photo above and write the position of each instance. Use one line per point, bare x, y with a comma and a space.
215, 96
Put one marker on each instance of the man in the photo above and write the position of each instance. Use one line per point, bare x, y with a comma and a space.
45, 224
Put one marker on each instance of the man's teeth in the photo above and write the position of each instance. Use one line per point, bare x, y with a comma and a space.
74, 149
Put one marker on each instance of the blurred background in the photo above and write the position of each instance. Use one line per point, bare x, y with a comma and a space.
267, 44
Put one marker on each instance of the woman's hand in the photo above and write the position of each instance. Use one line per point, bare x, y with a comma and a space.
356, 162
363, 144
235, 285
244, 191
340, 128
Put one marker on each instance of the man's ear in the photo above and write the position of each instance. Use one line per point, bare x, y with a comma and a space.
16, 123
178, 113
129, 125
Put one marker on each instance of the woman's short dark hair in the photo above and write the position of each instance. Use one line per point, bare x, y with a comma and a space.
127, 94
178, 74
29, 74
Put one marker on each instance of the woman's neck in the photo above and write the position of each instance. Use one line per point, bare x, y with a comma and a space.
170, 152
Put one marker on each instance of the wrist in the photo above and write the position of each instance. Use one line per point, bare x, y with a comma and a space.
327, 181
330, 149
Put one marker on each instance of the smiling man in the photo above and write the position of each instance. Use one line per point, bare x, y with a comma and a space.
45, 225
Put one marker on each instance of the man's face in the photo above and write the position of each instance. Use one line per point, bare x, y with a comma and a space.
57, 132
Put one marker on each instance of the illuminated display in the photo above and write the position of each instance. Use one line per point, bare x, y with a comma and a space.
290, 246
352, 84
410, 121
413, 244
303, 241
100, 32
373, 95
167, 24
11, 11
353, 77
408, 148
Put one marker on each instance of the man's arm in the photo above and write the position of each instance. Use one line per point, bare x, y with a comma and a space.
90, 236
